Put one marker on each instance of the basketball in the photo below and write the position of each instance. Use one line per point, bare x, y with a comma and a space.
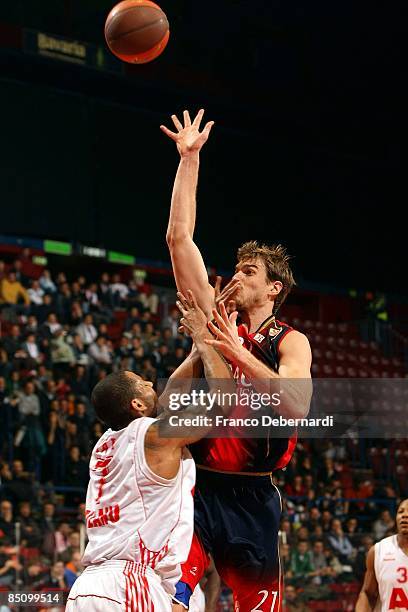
137, 31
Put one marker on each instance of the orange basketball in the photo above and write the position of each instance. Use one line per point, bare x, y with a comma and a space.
137, 31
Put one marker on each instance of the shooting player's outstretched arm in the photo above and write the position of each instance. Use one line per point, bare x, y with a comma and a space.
188, 265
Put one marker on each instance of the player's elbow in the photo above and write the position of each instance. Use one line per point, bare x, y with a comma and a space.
177, 234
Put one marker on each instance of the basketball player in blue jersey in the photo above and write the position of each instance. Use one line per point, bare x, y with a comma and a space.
237, 507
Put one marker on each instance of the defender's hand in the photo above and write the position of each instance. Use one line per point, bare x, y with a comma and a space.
193, 318
226, 333
188, 138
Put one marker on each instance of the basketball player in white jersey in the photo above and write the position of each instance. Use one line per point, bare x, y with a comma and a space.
386, 581
139, 505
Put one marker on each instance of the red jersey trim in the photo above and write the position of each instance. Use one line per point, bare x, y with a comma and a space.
93, 595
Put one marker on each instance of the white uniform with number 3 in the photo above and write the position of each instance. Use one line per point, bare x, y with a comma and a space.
391, 571
140, 527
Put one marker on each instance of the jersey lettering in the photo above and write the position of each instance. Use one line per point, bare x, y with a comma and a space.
404, 574
103, 516
102, 465
398, 599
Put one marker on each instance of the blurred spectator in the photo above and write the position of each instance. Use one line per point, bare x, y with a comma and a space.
12, 291
35, 293
43, 310
61, 537
77, 472
11, 343
301, 564
87, 331
30, 531
172, 322
8, 563
30, 435
293, 603
99, 351
62, 355
360, 562
47, 521
340, 543
73, 546
56, 578
119, 291
352, 531
34, 575
46, 282
73, 568
21, 486
21, 277
51, 326
7, 529
384, 523
82, 423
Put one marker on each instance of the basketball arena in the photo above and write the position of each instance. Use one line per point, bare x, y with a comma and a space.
203, 201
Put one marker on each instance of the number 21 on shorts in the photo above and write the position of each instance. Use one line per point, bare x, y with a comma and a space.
264, 596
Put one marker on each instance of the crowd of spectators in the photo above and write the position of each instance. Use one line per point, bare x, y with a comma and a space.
58, 338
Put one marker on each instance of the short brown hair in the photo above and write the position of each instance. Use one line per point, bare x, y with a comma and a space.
276, 261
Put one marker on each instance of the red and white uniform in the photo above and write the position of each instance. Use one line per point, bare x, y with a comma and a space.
139, 525
391, 571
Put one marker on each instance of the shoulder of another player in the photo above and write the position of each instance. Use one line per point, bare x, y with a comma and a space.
371, 558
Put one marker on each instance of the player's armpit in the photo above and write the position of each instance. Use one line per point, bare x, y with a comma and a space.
369, 593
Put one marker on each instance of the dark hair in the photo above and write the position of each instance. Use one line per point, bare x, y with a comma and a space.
112, 398
276, 261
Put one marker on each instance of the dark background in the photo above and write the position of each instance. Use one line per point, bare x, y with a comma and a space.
308, 146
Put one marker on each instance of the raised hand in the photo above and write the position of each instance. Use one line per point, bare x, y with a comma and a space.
193, 318
226, 294
225, 331
188, 138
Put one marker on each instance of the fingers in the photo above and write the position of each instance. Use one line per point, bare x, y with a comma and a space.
216, 331
223, 313
214, 343
187, 120
192, 299
207, 128
183, 300
219, 320
177, 123
228, 291
168, 132
198, 118
181, 308
217, 286
233, 317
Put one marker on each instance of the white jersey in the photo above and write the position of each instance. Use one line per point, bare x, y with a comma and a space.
391, 571
131, 513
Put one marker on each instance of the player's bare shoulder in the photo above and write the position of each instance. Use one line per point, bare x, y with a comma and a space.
295, 349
